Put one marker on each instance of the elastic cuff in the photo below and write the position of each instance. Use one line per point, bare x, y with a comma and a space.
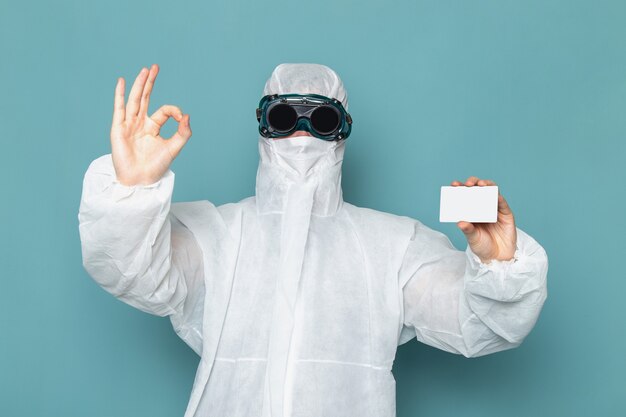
154, 184
120, 191
495, 264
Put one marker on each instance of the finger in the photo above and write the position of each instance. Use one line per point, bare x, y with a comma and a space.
486, 182
118, 103
471, 181
135, 94
180, 138
145, 97
165, 112
455, 183
503, 206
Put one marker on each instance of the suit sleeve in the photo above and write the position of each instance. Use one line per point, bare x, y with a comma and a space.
135, 249
455, 302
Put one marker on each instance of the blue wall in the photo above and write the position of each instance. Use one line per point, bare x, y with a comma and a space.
531, 94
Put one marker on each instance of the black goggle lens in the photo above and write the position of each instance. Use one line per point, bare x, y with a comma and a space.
282, 117
325, 119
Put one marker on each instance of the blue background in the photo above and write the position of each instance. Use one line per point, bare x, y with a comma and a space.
531, 94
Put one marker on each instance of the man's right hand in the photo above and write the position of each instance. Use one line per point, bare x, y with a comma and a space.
140, 155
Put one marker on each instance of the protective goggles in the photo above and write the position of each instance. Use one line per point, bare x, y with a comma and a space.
323, 117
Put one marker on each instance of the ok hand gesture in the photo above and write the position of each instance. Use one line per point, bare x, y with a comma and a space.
140, 155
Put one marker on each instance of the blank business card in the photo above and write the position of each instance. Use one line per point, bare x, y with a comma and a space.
471, 204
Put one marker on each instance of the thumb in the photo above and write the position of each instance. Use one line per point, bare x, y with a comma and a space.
470, 231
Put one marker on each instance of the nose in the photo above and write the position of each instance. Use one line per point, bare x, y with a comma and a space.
296, 134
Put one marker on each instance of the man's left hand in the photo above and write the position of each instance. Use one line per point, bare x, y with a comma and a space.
491, 240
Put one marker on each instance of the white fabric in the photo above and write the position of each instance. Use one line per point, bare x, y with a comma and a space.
296, 300
301, 154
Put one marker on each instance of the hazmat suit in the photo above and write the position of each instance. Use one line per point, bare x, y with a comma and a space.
295, 299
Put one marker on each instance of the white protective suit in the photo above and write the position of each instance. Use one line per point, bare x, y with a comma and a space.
295, 299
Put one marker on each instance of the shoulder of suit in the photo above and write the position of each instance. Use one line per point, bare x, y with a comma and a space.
379, 220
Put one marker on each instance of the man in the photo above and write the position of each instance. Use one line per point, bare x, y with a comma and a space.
295, 299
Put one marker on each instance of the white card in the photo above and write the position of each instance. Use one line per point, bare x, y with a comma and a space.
471, 204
